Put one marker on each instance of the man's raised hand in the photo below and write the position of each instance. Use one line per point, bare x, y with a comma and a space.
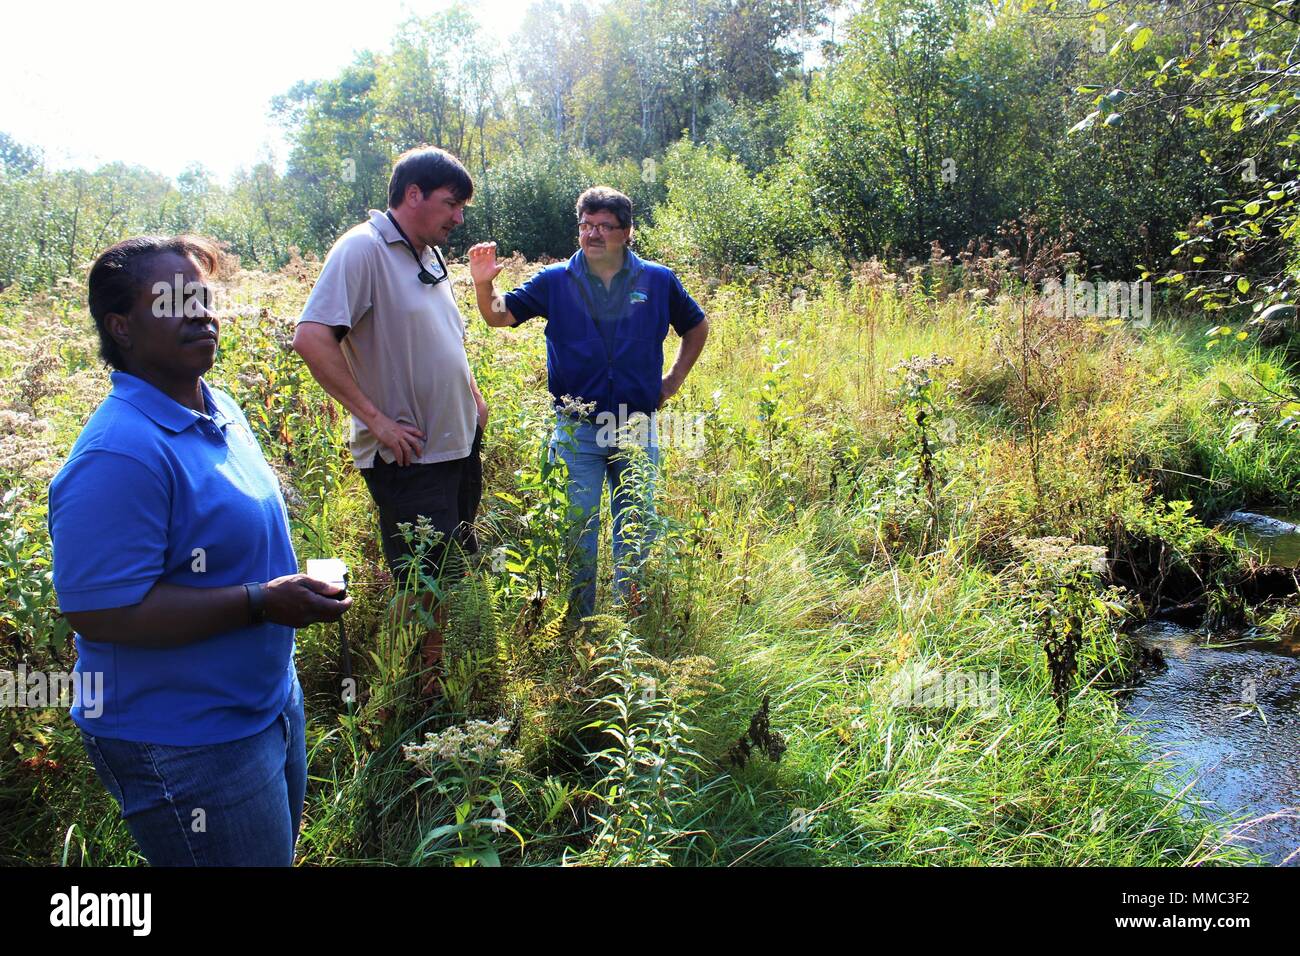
483, 265
484, 268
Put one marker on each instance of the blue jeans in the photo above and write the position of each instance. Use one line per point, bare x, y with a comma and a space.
231, 804
594, 462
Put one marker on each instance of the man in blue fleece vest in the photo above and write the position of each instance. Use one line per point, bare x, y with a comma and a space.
607, 314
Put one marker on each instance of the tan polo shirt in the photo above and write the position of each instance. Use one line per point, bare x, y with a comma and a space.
405, 343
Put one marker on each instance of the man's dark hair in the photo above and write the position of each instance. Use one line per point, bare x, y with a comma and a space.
115, 277
429, 168
604, 199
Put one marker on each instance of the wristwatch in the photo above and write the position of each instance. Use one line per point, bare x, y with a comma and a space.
256, 603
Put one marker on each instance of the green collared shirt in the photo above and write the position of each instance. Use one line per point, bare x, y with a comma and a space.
609, 304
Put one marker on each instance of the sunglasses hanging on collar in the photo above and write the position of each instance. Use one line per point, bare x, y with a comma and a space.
425, 276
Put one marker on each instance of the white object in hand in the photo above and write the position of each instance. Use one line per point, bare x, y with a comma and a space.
329, 570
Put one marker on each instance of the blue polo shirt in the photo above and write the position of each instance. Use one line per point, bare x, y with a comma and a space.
625, 369
154, 491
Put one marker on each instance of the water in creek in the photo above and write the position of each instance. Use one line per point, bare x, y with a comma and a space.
1273, 535
1228, 712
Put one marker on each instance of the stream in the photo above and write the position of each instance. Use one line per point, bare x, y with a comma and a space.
1225, 710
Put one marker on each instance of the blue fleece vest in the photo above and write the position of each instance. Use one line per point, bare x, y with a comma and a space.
579, 362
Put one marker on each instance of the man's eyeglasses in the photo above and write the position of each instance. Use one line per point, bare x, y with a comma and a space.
599, 228
424, 275
427, 277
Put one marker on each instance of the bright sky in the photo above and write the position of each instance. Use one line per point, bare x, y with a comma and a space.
68, 66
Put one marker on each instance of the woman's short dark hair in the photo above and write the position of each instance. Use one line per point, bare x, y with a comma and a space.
115, 279
605, 199
429, 168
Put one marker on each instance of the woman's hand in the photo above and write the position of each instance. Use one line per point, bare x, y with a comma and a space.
172, 615
297, 600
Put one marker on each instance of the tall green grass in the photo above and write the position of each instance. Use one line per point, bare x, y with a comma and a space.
793, 563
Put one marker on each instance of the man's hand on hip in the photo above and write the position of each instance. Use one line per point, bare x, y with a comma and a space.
668, 389
404, 441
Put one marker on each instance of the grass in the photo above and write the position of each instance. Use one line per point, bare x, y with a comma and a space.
797, 562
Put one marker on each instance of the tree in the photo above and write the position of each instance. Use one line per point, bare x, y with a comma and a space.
339, 161
15, 158
1228, 74
553, 53
927, 128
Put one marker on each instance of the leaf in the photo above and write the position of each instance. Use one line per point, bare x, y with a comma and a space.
430, 837
1114, 119
1251, 208
1141, 39
1243, 285
1266, 373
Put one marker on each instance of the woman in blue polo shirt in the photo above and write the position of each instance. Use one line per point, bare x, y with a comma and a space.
173, 563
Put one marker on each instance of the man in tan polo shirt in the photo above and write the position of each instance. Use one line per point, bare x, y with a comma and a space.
382, 334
